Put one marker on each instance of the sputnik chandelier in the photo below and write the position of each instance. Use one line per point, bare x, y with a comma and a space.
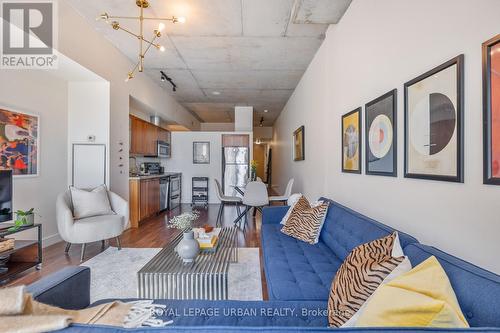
144, 44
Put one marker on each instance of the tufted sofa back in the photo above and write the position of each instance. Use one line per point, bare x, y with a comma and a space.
344, 229
477, 290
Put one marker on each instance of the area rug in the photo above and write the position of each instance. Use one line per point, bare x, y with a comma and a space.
114, 273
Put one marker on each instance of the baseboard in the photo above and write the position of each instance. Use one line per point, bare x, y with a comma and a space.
52, 239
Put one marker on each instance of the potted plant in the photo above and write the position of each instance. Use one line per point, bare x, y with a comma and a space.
23, 219
253, 170
188, 248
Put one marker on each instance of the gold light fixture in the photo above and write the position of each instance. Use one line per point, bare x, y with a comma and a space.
142, 4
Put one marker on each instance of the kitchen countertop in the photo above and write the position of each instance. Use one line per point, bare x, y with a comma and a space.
141, 177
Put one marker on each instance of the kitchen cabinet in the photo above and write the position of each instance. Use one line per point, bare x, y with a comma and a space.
144, 199
144, 137
136, 129
163, 135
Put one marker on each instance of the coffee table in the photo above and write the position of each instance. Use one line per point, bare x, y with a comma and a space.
167, 277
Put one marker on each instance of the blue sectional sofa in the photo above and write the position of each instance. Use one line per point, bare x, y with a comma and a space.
298, 279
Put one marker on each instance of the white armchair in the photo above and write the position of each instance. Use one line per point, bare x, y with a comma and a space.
91, 229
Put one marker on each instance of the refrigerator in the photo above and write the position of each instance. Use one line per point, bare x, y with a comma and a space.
235, 168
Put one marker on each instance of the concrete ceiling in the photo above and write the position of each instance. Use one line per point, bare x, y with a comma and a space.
251, 52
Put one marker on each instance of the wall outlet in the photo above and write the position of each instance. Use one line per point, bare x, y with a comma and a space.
91, 138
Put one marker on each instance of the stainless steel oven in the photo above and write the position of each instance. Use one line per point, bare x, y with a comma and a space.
174, 191
163, 149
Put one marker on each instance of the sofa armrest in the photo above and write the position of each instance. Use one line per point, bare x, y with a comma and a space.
273, 215
68, 288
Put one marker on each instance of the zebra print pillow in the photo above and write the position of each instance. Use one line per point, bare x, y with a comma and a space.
360, 274
305, 222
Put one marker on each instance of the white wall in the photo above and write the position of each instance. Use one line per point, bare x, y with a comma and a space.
182, 160
243, 118
38, 93
88, 114
378, 46
217, 127
79, 41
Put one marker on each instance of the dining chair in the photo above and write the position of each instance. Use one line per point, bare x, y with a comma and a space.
283, 198
255, 197
225, 199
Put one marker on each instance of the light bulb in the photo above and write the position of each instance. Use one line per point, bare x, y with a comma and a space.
181, 19
161, 26
162, 48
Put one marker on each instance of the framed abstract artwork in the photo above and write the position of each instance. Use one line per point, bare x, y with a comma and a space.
491, 110
19, 142
299, 144
351, 142
381, 135
201, 152
434, 123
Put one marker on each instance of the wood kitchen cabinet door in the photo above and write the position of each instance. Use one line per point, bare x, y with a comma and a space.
136, 133
163, 135
154, 196
150, 198
151, 140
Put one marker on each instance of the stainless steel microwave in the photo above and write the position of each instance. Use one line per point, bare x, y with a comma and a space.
163, 149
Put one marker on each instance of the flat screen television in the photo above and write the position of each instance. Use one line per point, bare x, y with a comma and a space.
5, 195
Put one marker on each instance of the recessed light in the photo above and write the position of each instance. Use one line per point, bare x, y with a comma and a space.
266, 111
216, 93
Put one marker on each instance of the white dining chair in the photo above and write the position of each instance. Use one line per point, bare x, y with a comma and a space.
283, 198
224, 200
255, 197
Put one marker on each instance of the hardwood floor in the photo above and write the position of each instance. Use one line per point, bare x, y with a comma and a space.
151, 233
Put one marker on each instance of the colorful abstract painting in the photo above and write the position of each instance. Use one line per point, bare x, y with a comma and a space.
351, 142
19, 142
491, 78
433, 123
381, 135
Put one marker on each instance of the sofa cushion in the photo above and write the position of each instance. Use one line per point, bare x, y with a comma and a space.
296, 270
344, 229
305, 221
477, 290
422, 297
364, 269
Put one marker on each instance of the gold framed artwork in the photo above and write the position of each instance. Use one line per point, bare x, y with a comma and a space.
298, 144
351, 141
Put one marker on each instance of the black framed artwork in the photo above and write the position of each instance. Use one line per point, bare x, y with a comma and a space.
491, 111
299, 144
381, 135
434, 123
351, 141
201, 152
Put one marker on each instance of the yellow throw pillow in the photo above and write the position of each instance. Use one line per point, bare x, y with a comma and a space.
422, 297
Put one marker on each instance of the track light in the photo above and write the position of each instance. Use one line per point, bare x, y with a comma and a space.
164, 77
261, 124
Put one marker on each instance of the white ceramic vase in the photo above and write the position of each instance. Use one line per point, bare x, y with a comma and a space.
188, 248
